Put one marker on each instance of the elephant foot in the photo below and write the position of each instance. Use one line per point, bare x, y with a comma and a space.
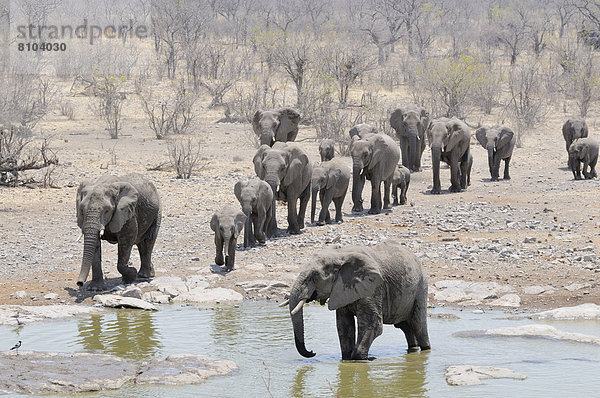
387, 207
294, 231
219, 259
454, 189
506, 177
494, 179
96, 286
402, 202
339, 220
357, 208
374, 211
436, 191
413, 349
320, 223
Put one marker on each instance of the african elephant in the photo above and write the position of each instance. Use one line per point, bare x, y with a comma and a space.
362, 130
276, 125
410, 124
123, 210
327, 149
382, 284
499, 142
256, 198
574, 128
449, 140
583, 150
374, 158
330, 181
287, 169
402, 180
227, 224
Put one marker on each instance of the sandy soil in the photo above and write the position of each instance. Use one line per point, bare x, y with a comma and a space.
542, 202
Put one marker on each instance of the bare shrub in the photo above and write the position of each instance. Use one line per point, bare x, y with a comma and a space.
66, 109
19, 152
109, 102
247, 98
170, 114
185, 155
24, 99
580, 80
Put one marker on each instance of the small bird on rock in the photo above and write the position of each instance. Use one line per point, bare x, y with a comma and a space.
16, 347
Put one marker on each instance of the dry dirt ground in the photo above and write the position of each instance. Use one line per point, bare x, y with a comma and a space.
541, 228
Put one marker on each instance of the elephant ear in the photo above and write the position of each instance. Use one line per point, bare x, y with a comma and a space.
295, 168
125, 204
258, 158
379, 149
505, 136
240, 220
288, 125
454, 130
425, 119
214, 222
255, 121
333, 176
358, 277
82, 186
396, 121
354, 133
237, 190
481, 135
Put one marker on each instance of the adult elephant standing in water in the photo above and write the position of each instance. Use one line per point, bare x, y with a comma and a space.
287, 169
373, 158
123, 210
449, 140
410, 124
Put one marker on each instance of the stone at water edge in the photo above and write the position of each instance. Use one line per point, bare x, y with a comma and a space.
469, 375
132, 291
209, 296
508, 300
582, 311
184, 369
25, 314
115, 301
533, 330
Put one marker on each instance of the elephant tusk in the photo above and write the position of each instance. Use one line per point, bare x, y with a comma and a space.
101, 232
80, 236
284, 303
298, 307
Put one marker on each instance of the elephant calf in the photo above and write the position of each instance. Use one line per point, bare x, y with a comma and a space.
583, 150
330, 181
227, 224
402, 180
499, 141
450, 140
327, 149
572, 129
256, 198
377, 285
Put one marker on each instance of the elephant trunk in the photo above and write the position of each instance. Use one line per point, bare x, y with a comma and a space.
91, 234
313, 207
267, 137
491, 149
436, 154
412, 147
274, 183
298, 322
358, 183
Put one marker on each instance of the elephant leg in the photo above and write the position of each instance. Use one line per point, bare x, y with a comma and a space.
230, 259
375, 196
253, 229
404, 150
145, 248
293, 227
304, 199
418, 320
326, 199
463, 174
338, 202
403, 189
259, 227
593, 168
577, 169
506, 173
413, 345
387, 185
454, 176
395, 193
97, 282
370, 325
129, 274
346, 331
219, 254
272, 226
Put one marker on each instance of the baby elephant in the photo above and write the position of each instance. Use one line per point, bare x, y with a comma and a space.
256, 197
583, 150
227, 224
330, 180
402, 180
327, 149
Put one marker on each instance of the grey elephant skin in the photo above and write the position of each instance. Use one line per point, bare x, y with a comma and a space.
382, 284
276, 125
123, 210
227, 224
410, 124
583, 150
449, 140
362, 130
330, 182
572, 129
374, 158
327, 149
401, 180
499, 141
288, 171
256, 198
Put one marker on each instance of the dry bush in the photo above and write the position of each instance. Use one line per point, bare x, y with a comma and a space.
24, 99
109, 102
19, 151
185, 156
170, 114
66, 109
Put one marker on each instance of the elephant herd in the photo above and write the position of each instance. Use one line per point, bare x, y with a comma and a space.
377, 285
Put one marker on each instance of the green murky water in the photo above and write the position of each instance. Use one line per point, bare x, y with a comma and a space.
258, 337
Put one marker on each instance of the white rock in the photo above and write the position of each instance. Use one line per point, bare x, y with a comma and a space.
534, 290
51, 296
508, 300
21, 294
575, 286
209, 296
253, 284
23, 314
542, 331
171, 285
156, 297
183, 369
469, 375
255, 267
451, 295
582, 311
132, 291
196, 281
116, 301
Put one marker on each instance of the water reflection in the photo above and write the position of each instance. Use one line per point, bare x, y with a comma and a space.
401, 377
302, 381
227, 325
129, 334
